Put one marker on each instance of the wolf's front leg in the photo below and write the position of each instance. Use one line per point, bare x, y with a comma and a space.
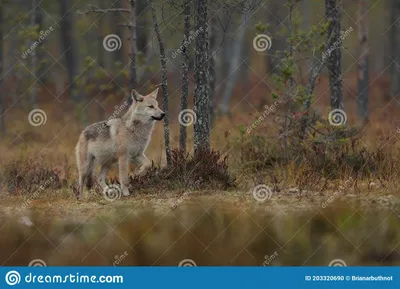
145, 165
123, 165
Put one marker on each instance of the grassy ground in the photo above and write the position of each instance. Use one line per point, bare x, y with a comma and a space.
310, 216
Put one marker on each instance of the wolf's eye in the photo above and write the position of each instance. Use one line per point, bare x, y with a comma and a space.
151, 106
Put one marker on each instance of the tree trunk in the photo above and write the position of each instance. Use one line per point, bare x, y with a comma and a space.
133, 49
100, 62
185, 73
332, 14
141, 27
212, 77
225, 53
116, 18
363, 63
395, 49
163, 83
234, 63
276, 15
2, 94
40, 54
201, 90
68, 45
33, 58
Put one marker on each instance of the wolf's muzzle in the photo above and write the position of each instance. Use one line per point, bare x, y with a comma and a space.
159, 118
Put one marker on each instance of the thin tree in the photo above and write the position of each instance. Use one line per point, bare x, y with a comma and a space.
185, 72
163, 82
133, 49
234, 64
68, 45
395, 48
363, 62
212, 69
332, 13
33, 56
2, 94
201, 90
275, 15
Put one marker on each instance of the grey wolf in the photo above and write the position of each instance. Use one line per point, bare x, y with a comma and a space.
118, 140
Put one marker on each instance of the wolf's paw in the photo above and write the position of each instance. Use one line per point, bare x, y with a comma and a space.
125, 193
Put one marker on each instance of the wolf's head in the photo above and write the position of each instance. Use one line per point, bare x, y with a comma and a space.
145, 107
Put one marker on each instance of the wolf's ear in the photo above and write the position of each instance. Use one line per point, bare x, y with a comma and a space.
154, 93
136, 97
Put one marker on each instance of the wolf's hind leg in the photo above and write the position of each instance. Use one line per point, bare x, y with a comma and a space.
102, 175
123, 164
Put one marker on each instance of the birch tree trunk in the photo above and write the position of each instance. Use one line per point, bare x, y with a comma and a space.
201, 89
363, 63
332, 13
163, 83
185, 73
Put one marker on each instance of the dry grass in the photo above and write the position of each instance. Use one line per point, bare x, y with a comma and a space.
319, 209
